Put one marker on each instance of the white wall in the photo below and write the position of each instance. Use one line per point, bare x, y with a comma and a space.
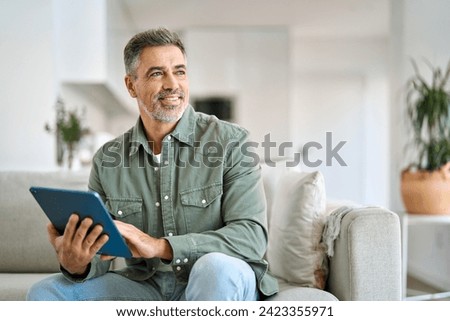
340, 86
80, 40
251, 66
28, 85
263, 76
119, 30
90, 61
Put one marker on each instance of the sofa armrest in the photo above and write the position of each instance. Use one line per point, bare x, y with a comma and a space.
366, 264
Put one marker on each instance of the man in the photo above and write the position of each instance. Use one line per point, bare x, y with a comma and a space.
191, 210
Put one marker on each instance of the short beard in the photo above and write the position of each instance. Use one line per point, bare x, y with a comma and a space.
160, 114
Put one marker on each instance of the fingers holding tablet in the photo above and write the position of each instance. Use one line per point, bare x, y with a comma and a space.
84, 234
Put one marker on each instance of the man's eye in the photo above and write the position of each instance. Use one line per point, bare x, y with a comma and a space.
181, 72
156, 74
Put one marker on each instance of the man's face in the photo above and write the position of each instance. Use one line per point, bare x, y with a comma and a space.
160, 83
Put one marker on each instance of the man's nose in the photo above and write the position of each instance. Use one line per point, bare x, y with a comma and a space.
170, 82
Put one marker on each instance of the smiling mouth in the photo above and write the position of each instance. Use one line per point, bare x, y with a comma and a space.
170, 99
170, 96
170, 102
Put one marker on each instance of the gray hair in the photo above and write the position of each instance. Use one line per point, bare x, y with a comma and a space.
149, 38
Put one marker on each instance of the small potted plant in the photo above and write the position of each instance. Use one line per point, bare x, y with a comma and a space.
68, 130
425, 183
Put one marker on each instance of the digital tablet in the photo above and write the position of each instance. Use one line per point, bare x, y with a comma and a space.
58, 204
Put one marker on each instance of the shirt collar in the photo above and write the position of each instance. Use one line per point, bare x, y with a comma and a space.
184, 132
138, 138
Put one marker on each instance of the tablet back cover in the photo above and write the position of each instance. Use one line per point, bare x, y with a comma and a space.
59, 204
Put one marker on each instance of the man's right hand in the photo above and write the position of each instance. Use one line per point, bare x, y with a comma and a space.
78, 245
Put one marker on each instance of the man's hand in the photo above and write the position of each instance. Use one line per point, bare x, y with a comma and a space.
76, 247
143, 245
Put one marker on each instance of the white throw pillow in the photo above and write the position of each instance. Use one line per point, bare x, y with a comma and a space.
295, 252
271, 176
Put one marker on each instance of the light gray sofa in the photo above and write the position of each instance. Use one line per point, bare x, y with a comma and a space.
366, 264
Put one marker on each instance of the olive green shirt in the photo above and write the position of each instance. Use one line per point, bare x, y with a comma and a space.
204, 195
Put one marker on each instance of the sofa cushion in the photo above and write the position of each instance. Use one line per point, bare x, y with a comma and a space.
295, 253
289, 292
15, 286
25, 245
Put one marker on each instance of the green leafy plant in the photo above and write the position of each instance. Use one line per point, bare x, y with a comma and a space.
428, 109
68, 130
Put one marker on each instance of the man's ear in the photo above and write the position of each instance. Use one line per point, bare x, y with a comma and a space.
130, 85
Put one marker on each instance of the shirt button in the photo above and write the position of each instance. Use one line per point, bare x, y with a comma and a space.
178, 268
203, 201
169, 137
155, 168
185, 260
119, 212
178, 261
166, 162
166, 197
157, 204
170, 234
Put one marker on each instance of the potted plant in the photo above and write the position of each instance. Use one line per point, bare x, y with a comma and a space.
68, 130
425, 183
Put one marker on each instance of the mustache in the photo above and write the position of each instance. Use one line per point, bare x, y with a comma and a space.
165, 93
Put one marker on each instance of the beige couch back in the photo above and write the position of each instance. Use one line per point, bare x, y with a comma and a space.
24, 245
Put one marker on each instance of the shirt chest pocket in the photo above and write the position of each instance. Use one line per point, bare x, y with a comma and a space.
128, 210
202, 207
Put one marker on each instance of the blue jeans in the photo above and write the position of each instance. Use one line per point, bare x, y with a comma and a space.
214, 277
